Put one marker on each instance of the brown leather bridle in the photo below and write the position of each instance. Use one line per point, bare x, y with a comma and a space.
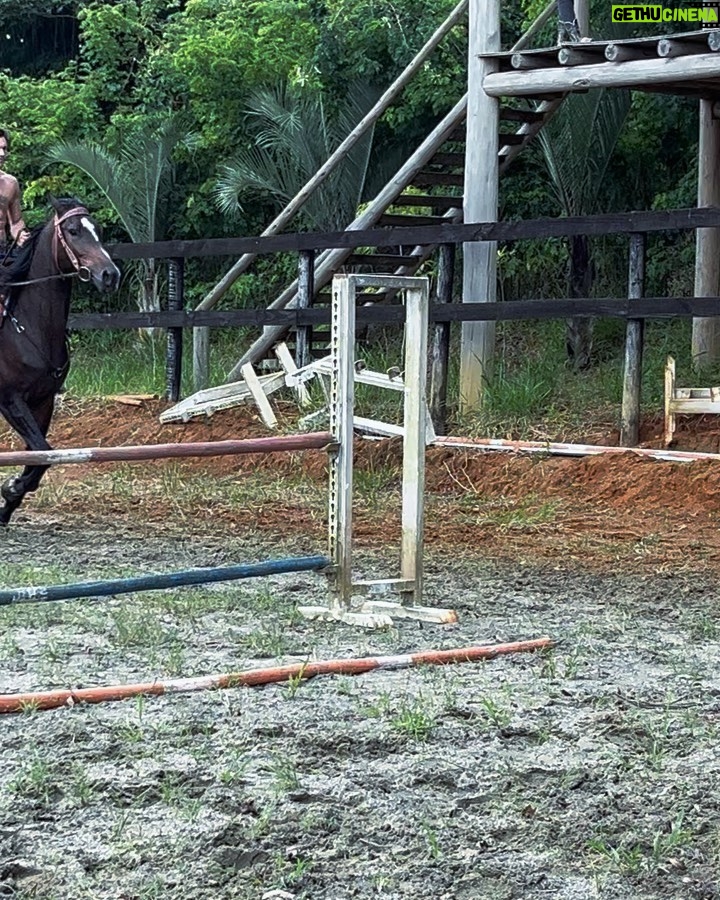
83, 272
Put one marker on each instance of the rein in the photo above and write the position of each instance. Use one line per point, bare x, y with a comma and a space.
81, 272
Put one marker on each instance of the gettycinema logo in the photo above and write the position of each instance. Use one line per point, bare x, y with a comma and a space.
707, 15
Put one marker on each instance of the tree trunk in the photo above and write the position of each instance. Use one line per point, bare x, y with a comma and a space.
579, 332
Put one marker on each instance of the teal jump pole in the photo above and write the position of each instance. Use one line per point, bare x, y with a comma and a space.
12, 596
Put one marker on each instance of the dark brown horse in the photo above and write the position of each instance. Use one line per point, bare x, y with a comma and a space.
34, 358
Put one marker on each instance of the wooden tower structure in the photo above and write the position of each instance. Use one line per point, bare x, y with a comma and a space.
686, 64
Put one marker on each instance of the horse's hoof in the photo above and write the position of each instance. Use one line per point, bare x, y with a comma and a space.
11, 491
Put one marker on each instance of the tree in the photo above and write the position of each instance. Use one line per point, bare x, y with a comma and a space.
577, 147
136, 180
296, 133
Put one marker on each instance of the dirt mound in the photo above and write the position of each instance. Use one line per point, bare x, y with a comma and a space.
601, 508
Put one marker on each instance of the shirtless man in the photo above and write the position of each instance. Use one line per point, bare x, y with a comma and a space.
12, 226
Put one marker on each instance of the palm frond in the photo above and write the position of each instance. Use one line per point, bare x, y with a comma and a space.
295, 134
578, 144
105, 169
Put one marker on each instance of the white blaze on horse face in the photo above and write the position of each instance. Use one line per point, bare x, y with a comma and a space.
90, 226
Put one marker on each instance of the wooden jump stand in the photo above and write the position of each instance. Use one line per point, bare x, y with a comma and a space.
686, 401
408, 587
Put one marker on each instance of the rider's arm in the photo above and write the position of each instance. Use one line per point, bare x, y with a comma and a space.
18, 229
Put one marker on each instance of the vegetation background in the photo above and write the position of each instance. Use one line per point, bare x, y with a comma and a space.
194, 118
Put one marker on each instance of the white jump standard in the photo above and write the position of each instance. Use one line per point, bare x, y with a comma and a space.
409, 585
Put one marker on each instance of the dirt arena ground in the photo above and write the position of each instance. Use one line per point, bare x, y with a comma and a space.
587, 771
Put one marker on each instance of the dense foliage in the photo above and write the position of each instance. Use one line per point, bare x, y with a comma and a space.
106, 72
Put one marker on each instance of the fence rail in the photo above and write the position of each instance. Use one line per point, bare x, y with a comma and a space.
531, 229
613, 307
634, 308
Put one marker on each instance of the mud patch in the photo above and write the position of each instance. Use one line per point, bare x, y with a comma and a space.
588, 771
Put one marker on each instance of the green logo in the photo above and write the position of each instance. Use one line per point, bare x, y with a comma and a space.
656, 13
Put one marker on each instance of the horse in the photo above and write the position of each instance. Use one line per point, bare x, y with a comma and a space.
35, 291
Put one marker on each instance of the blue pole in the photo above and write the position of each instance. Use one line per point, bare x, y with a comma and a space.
157, 582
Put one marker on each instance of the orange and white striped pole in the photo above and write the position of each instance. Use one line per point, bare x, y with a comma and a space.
13, 703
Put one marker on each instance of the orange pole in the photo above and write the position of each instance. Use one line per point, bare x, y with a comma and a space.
12, 703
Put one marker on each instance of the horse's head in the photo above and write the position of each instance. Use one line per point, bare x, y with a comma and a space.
77, 244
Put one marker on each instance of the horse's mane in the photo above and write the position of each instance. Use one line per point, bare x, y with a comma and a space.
18, 267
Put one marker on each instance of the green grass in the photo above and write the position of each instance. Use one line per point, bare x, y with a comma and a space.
128, 362
534, 393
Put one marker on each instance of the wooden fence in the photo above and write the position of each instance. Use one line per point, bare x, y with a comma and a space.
634, 308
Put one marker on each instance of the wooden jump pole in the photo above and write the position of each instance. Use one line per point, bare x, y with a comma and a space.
14, 703
283, 444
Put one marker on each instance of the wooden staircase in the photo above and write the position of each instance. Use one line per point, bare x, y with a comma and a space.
426, 191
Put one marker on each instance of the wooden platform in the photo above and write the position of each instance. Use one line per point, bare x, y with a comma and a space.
687, 63
686, 401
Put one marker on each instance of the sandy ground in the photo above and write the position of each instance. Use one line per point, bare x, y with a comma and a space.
588, 771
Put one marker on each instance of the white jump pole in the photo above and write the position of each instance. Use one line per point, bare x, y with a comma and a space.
375, 613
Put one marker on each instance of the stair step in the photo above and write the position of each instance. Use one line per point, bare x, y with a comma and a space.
459, 135
401, 221
448, 159
324, 298
429, 201
510, 139
425, 179
394, 260
528, 116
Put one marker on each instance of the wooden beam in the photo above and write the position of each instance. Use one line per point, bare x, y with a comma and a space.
525, 61
570, 56
668, 48
441, 341
477, 344
623, 53
634, 73
647, 308
176, 301
706, 331
634, 336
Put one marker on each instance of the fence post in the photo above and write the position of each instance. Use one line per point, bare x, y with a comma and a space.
176, 301
306, 289
634, 335
441, 341
201, 357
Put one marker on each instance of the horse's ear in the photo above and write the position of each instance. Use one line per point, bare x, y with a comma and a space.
52, 200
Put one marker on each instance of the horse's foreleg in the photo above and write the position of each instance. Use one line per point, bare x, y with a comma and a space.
32, 426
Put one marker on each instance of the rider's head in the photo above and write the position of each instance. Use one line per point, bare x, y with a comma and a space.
4, 145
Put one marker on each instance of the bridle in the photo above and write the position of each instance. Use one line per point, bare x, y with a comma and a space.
82, 272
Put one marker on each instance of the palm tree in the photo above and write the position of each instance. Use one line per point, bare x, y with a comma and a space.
136, 180
577, 146
295, 133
